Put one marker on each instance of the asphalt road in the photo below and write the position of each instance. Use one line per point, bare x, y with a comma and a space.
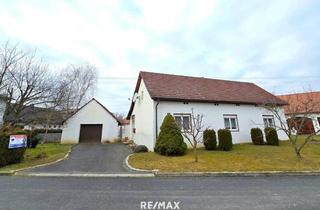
277, 192
91, 158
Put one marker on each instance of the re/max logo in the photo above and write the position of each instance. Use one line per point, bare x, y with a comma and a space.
159, 205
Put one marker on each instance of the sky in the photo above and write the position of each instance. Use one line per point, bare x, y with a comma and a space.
273, 43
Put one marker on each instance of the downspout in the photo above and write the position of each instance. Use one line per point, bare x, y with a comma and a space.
157, 118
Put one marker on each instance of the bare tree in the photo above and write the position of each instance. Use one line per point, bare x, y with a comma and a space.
77, 83
299, 111
29, 83
9, 58
193, 133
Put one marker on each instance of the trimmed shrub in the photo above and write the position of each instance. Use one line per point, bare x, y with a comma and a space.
256, 136
271, 136
33, 141
209, 139
140, 148
9, 156
225, 139
170, 140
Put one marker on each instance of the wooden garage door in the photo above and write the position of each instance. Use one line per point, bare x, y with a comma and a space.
90, 133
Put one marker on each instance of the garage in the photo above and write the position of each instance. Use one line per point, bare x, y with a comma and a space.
92, 123
90, 133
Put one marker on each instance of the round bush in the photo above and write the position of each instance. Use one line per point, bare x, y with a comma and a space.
225, 139
209, 139
9, 156
256, 136
170, 141
140, 148
271, 136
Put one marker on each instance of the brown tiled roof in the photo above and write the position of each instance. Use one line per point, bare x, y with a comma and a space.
302, 102
169, 87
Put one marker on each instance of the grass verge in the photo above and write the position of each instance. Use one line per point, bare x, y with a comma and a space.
34, 157
243, 157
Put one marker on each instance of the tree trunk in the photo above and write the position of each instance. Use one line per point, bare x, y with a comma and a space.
297, 151
195, 152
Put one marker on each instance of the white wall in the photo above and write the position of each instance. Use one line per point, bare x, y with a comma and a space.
92, 113
126, 131
315, 121
144, 119
249, 116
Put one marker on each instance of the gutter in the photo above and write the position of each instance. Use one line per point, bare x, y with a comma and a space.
157, 118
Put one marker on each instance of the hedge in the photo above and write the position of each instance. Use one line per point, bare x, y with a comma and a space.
9, 156
209, 139
256, 136
271, 136
225, 139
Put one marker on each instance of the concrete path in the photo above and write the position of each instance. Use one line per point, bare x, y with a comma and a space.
90, 158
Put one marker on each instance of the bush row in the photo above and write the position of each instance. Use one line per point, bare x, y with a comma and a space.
210, 139
270, 134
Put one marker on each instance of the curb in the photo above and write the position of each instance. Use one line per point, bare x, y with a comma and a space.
137, 169
16, 172
95, 175
237, 174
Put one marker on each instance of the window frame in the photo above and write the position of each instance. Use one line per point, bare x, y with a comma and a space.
269, 117
181, 115
231, 116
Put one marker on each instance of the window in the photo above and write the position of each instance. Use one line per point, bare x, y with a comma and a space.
231, 122
183, 121
268, 121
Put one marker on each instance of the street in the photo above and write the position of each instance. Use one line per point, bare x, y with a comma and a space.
273, 192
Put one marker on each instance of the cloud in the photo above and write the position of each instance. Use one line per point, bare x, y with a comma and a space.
272, 43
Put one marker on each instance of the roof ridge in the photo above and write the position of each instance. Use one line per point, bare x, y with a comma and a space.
195, 77
301, 93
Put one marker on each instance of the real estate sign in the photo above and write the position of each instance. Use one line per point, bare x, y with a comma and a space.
17, 141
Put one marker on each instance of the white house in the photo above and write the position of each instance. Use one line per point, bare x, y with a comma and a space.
225, 104
91, 123
304, 105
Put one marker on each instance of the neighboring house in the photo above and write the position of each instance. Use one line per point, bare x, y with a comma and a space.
304, 105
125, 129
33, 117
225, 104
91, 123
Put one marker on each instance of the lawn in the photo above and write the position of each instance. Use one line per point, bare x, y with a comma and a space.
35, 156
243, 157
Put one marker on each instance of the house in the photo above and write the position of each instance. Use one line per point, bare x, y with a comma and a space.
33, 117
304, 105
93, 123
225, 104
125, 129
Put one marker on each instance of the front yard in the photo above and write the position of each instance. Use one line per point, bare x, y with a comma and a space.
243, 157
43, 153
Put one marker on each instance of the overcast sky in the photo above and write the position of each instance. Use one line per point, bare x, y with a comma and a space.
275, 44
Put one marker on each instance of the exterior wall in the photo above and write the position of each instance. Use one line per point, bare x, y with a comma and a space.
125, 131
249, 116
92, 113
143, 113
2, 110
314, 117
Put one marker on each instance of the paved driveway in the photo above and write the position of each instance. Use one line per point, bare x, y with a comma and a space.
91, 158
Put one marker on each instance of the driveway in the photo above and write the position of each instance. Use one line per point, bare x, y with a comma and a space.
91, 158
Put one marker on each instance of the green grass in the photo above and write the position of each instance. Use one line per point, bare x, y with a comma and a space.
243, 157
31, 158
